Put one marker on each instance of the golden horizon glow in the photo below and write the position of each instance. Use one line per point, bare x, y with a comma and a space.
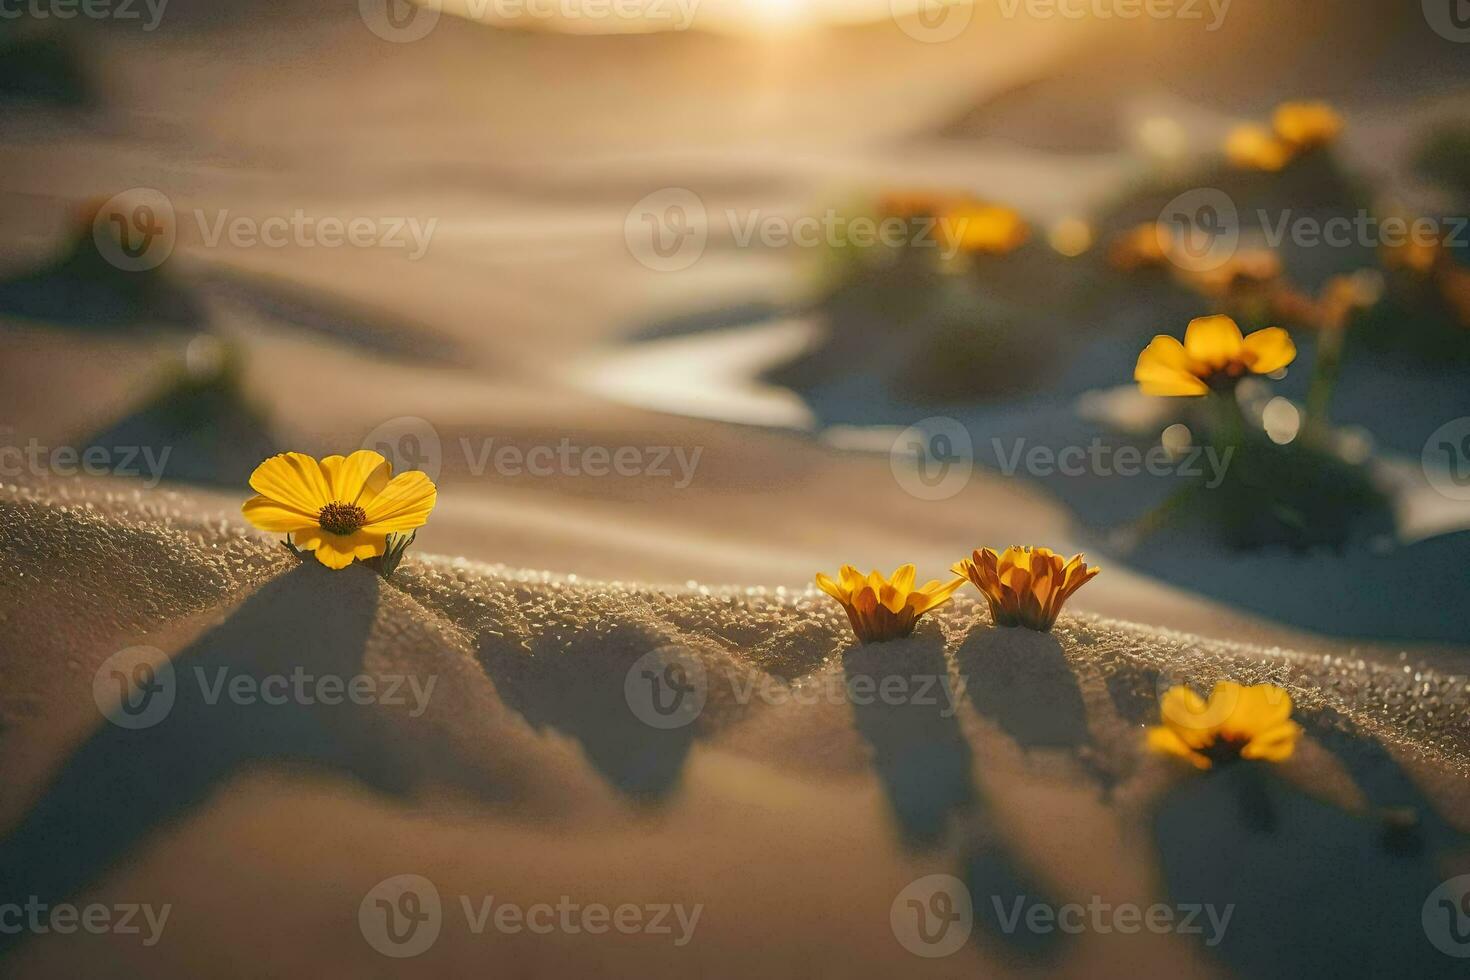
757, 17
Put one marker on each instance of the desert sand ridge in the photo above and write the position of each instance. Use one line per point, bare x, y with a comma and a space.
1030, 763
136, 561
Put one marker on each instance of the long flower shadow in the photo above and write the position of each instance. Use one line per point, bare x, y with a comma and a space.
919, 752
1020, 680
123, 783
1309, 888
576, 685
925, 764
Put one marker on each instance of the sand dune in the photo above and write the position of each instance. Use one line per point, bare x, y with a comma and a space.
1024, 776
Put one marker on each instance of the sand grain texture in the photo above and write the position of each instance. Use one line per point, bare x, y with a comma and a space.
793, 809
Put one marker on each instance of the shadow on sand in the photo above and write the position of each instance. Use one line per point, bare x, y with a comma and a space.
919, 752
574, 683
1314, 892
925, 764
1020, 680
121, 783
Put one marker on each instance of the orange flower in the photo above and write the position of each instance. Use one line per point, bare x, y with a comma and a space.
986, 228
1243, 273
1213, 355
1306, 125
1024, 586
1236, 723
885, 609
1252, 147
1340, 298
1142, 246
1414, 254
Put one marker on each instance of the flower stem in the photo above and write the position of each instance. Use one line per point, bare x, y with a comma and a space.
1324, 376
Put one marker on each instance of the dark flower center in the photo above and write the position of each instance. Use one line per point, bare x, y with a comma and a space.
1224, 751
340, 518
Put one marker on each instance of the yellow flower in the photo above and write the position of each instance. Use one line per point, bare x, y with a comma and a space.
342, 507
1252, 147
987, 228
1142, 246
1414, 254
1340, 298
1306, 125
1213, 355
1244, 273
1236, 723
1024, 586
885, 609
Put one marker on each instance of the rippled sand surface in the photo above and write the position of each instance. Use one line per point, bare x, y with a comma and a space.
794, 808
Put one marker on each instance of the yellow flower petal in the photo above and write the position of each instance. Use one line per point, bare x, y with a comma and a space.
268, 515
1213, 341
1268, 350
1253, 147
1168, 742
830, 587
338, 551
403, 505
293, 479
349, 476
1163, 369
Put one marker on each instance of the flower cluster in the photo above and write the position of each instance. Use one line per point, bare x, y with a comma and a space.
1024, 587
1296, 128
